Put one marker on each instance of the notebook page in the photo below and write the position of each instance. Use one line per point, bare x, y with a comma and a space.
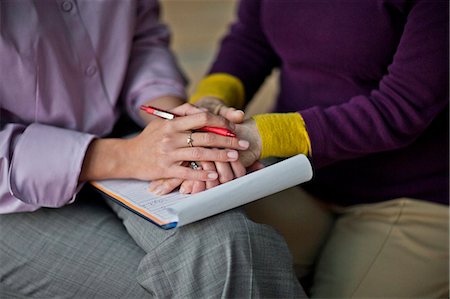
135, 194
253, 186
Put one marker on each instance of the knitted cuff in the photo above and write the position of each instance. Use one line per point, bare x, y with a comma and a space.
282, 134
223, 86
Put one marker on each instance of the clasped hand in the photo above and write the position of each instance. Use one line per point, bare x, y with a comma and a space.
162, 148
226, 170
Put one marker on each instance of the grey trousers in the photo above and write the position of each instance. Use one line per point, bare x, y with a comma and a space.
90, 250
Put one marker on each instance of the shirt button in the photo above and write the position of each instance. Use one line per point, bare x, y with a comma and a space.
67, 6
90, 70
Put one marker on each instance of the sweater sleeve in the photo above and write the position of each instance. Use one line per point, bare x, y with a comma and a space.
227, 88
245, 51
412, 93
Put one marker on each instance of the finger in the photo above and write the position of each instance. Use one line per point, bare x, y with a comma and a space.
189, 186
186, 109
210, 166
204, 154
233, 115
186, 187
200, 120
214, 140
155, 184
225, 172
198, 186
209, 103
191, 174
238, 169
164, 186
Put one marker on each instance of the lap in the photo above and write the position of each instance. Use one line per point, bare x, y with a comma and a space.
87, 250
397, 248
222, 256
81, 250
301, 219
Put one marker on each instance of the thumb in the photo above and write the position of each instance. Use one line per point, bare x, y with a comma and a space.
231, 114
186, 109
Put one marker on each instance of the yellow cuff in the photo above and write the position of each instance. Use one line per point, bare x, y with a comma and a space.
223, 86
282, 134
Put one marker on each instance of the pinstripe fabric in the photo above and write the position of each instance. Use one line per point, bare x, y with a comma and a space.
220, 257
78, 251
84, 251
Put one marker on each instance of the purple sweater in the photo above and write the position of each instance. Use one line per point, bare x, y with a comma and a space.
370, 79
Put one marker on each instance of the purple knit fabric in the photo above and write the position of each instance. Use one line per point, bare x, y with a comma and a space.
370, 79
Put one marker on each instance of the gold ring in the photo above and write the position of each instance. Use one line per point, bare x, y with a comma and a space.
190, 140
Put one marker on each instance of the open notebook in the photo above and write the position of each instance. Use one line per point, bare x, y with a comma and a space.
176, 209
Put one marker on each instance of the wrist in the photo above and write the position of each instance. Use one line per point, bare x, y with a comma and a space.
282, 134
105, 159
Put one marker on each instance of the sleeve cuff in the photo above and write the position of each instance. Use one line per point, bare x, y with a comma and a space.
223, 86
46, 165
282, 134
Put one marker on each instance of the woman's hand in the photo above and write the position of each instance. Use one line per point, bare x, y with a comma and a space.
158, 151
248, 131
226, 171
216, 106
164, 186
248, 158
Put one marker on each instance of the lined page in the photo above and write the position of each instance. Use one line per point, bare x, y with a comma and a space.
184, 209
136, 193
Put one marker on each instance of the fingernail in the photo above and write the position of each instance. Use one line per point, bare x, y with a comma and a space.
152, 187
232, 154
244, 143
182, 190
160, 190
213, 175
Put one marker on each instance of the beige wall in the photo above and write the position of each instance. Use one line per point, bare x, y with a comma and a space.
197, 27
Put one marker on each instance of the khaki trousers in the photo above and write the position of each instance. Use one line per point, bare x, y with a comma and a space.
394, 249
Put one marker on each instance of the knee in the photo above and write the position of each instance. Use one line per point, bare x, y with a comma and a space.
235, 234
227, 249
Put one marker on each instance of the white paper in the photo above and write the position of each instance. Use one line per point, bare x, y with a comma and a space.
184, 209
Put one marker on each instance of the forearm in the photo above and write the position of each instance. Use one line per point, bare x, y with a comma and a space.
153, 72
245, 52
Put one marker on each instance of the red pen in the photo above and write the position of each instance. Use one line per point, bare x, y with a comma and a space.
167, 115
